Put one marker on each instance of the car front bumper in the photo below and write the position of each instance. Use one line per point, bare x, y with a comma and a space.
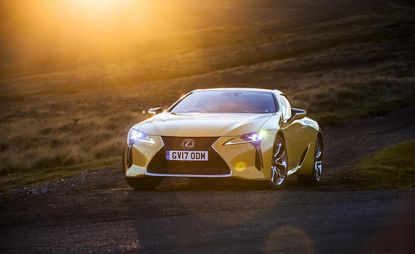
241, 160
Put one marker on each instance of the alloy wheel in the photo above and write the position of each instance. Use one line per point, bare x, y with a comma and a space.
279, 163
318, 161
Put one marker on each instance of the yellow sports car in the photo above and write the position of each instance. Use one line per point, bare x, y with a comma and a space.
229, 132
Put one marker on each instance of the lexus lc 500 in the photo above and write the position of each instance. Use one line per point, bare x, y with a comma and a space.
243, 133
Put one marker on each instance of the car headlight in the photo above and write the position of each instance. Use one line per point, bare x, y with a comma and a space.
254, 138
135, 135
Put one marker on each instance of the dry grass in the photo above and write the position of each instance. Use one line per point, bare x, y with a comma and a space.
338, 64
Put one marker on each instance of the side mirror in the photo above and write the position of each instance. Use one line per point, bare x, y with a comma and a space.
297, 113
155, 111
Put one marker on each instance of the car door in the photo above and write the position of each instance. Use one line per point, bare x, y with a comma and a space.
292, 131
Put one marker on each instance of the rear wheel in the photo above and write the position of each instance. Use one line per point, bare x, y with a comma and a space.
145, 183
315, 176
278, 164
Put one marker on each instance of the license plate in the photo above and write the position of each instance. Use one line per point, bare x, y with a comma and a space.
186, 155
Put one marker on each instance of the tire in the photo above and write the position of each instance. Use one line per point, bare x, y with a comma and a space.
145, 183
124, 158
278, 164
315, 177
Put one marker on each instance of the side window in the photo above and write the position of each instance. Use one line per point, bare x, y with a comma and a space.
286, 108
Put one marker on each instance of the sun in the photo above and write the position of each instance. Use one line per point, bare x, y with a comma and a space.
97, 6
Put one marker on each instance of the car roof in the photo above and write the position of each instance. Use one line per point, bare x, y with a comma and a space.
240, 89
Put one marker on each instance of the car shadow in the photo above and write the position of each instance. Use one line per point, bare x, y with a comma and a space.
195, 184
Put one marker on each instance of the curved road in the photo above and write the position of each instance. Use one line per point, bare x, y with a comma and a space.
96, 212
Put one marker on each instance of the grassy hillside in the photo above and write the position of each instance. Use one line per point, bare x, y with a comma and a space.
72, 101
391, 167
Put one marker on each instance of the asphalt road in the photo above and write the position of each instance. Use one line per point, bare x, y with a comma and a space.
96, 212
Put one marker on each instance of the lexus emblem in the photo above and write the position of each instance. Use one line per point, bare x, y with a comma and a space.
188, 143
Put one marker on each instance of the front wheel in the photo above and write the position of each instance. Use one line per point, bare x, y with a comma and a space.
278, 164
315, 176
145, 183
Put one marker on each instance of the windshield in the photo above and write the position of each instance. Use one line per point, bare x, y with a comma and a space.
227, 101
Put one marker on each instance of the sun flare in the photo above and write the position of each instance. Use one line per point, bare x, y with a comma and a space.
96, 5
